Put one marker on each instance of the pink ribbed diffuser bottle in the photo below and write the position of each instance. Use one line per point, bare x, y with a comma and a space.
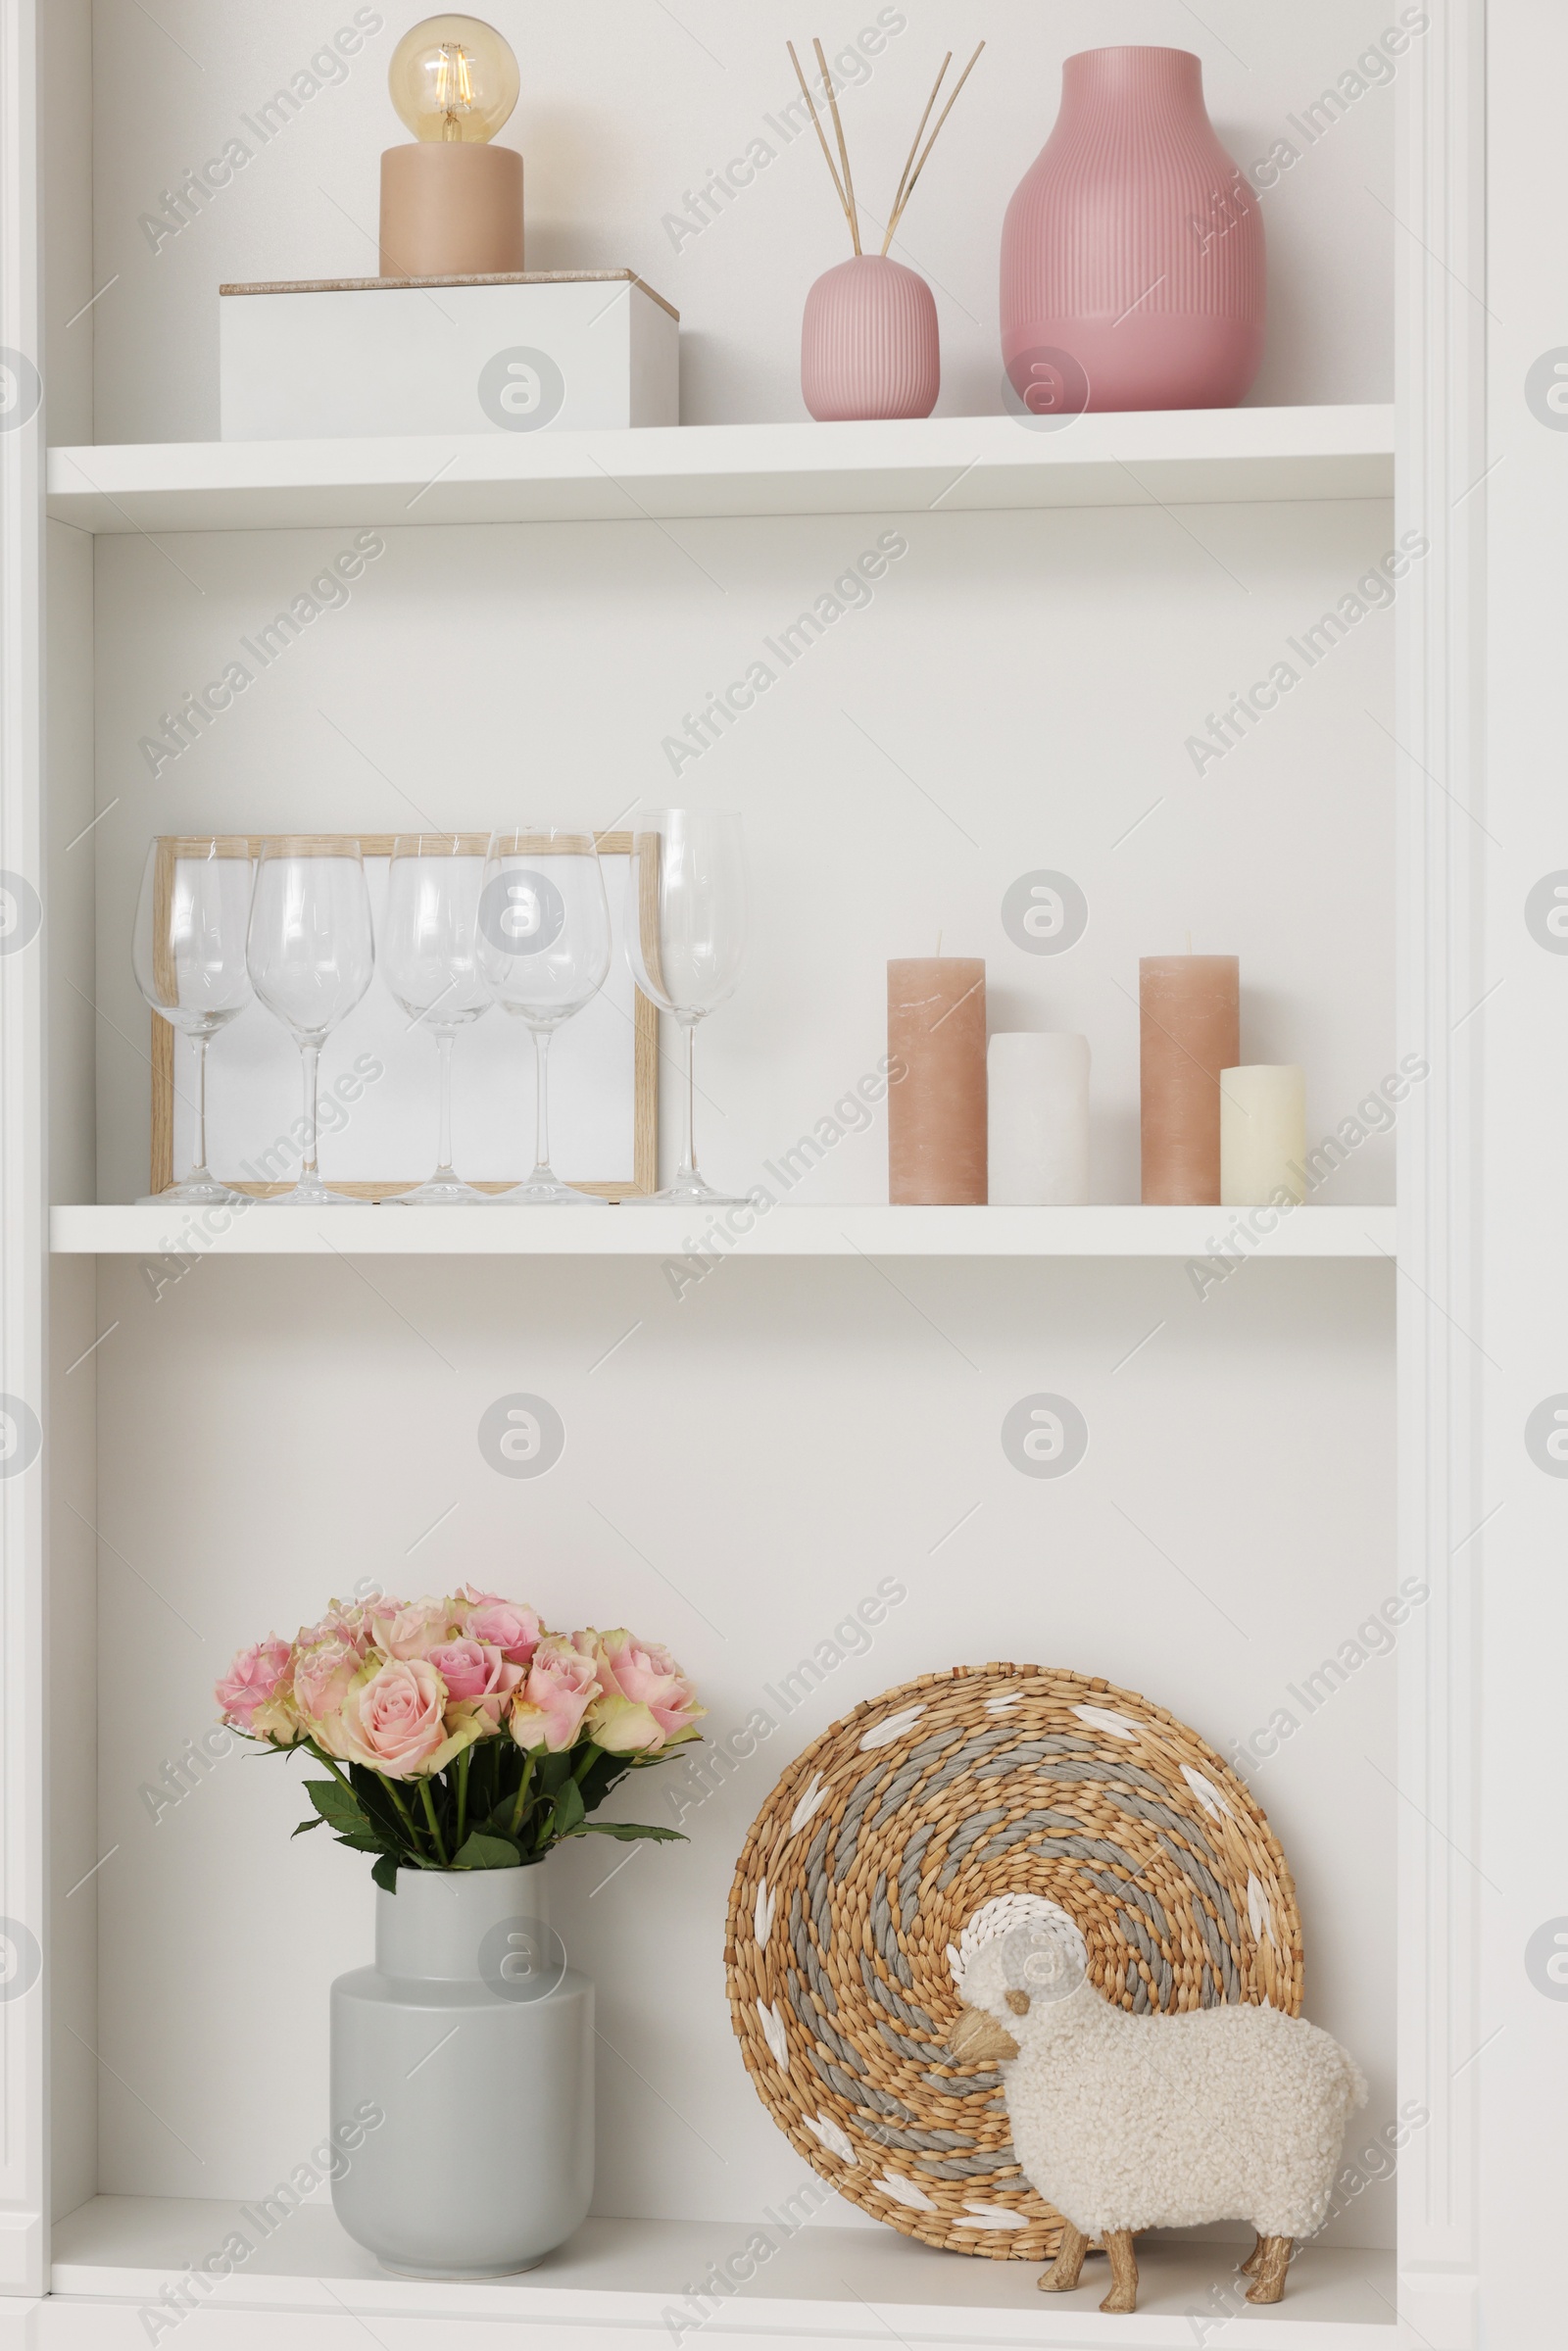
869, 345
1132, 256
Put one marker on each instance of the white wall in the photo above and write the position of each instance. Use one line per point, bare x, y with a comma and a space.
626, 109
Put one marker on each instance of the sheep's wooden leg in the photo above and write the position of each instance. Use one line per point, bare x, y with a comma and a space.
1068, 2267
1123, 2294
1274, 2259
1250, 2265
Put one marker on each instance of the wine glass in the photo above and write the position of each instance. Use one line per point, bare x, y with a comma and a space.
685, 939
312, 955
189, 951
544, 951
429, 946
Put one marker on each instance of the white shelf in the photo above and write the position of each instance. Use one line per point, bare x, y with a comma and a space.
620, 2279
955, 464
787, 1232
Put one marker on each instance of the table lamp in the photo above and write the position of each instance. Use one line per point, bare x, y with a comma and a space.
452, 204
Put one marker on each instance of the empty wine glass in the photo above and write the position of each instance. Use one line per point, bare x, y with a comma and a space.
685, 940
312, 955
189, 956
429, 960
544, 951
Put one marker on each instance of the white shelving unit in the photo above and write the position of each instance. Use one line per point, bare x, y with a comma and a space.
952, 464
1077, 609
624, 2279
786, 1232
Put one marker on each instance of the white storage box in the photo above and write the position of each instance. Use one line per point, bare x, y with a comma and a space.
350, 358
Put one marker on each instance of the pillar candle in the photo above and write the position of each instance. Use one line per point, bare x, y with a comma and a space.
450, 208
1190, 1008
937, 1110
1039, 1114
1263, 1134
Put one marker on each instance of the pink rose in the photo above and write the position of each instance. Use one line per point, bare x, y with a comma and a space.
516, 1631
562, 1684
392, 1720
415, 1631
646, 1702
477, 1672
258, 1678
322, 1672
352, 1621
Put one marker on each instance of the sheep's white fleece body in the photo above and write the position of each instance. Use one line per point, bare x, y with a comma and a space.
1163, 2122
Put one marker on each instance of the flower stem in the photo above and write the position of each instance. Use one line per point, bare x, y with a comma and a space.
321, 1756
522, 1792
406, 1816
429, 1814
464, 1761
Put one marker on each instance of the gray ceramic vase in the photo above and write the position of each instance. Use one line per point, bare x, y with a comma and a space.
476, 2042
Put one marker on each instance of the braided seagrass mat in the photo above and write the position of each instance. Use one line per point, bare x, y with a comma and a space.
928, 1820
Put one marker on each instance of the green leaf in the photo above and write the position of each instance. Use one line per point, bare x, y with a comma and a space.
569, 1811
386, 1873
306, 1827
482, 1852
332, 1802
601, 1777
627, 1831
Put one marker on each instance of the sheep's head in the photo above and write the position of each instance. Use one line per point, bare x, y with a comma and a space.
1011, 1983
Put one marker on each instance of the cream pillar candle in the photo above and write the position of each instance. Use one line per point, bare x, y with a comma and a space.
1039, 1120
1263, 1134
937, 1110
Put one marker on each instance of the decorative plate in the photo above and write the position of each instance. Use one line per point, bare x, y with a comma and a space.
931, 1819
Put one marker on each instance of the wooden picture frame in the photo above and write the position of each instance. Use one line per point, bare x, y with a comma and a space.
645, 1081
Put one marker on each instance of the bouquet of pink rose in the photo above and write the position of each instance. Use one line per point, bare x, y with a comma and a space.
459, 1733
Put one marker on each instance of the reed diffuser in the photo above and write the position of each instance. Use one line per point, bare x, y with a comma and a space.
869, 345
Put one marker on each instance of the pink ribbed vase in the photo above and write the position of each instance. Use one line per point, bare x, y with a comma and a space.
869, 345
1132, 259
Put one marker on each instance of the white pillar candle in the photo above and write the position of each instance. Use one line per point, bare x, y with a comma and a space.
1263, 1135
1039, 1120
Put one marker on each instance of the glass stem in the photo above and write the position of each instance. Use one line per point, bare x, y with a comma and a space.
444, 1046
541, 1065
200, 1168
310, 1055
688, 1159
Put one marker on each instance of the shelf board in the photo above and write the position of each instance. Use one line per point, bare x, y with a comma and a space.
662, 473
622, 2279
786, 1232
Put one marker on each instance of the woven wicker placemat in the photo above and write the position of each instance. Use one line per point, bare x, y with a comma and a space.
928, 1819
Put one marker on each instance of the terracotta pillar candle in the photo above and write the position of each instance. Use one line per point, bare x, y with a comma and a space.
937, 1110
1190, 1008
1263, 1135
1039, 1114
450, 208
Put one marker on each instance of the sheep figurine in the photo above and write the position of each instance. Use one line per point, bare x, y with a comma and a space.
1125, 2123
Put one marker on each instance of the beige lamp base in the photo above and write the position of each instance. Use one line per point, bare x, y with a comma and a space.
450, 208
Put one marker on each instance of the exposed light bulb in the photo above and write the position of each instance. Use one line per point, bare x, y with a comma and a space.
454, 79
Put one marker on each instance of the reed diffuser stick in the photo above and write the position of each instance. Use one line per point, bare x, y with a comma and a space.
931, 142
844, 152
827, 158
914, 148
840, 174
